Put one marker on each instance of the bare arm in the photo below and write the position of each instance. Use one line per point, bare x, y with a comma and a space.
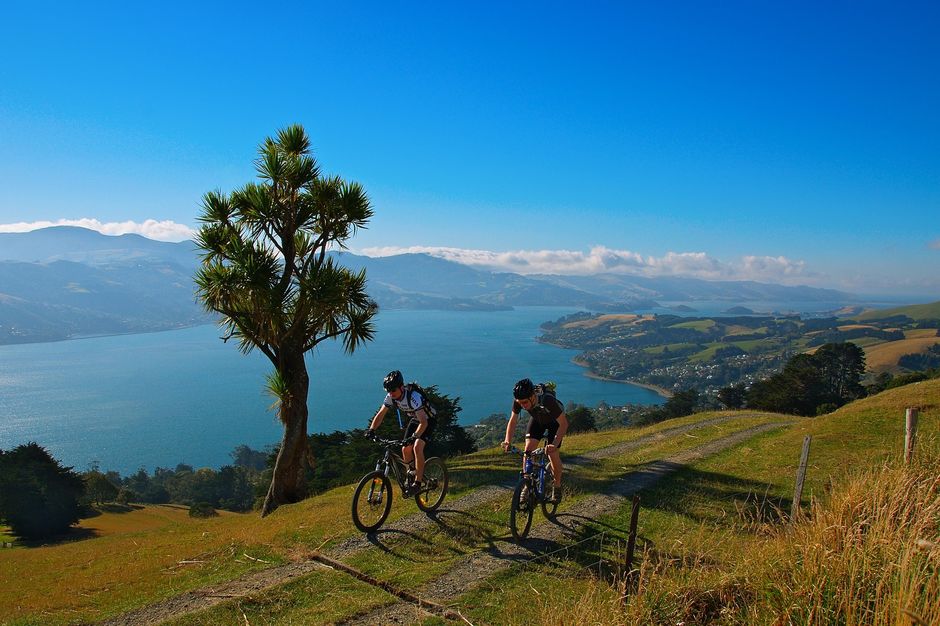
422, 418
562, 429
379, 416
510, 430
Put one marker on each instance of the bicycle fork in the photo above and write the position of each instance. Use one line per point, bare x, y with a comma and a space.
377, 482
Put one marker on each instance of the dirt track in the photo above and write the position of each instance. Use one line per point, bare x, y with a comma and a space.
467, 574
481, 565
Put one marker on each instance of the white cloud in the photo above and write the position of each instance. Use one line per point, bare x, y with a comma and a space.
774, 268
165, 230
601, 259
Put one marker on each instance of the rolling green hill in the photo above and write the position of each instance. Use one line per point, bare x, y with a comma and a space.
711, 536
916, 312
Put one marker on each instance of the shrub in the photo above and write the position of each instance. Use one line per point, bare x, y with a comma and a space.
907, 379
202, 509
38, 497
581, 420
126, 496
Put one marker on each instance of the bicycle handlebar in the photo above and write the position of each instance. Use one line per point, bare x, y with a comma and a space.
515, 450
393, 443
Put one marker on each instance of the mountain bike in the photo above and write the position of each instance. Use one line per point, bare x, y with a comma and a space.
372, 500
530, 492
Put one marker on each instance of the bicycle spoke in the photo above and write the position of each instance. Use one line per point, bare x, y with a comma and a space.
434, 486
372, 501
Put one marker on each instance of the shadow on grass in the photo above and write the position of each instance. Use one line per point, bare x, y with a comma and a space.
72, 534
466, 528
382, 538
683, 491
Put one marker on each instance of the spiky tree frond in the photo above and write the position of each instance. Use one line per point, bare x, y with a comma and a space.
293, 140
265, 263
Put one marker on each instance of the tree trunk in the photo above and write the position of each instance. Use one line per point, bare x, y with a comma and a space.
289, 484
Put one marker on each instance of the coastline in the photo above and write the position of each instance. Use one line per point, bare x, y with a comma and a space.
665, 393
101, 335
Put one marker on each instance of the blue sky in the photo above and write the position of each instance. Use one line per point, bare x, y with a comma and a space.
790, 142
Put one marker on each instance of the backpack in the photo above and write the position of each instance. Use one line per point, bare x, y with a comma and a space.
546, 388
412, 387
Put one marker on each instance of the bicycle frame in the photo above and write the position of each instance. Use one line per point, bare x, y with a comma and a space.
535, 464
392, 464
372, 498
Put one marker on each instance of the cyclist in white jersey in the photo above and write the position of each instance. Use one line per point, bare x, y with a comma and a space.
411, 403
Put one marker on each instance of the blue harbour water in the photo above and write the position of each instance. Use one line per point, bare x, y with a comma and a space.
184, 396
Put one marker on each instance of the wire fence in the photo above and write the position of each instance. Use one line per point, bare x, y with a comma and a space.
600, 554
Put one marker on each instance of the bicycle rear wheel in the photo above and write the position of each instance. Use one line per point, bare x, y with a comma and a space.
372, 501
434, 487
549, 508
520, 512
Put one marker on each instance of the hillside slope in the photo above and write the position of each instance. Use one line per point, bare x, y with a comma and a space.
125, 561
930, 311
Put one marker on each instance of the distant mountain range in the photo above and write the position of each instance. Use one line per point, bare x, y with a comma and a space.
63, 282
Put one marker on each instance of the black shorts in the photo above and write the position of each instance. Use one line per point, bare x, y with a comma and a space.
426, 435
537, 431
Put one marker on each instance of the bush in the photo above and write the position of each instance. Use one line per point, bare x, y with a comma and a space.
98, 489
581, 420
907, 379
38, 497
202, 509
126, 496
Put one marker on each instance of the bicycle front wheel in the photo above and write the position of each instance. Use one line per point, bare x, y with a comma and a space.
372, 501
520, 513
434, 487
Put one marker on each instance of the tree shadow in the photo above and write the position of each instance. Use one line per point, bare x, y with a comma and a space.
72, 534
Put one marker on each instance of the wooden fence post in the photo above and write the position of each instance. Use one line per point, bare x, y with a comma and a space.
631, 546
910, 433
800, 477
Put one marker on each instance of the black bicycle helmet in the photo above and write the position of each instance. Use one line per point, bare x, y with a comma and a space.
523, 389
393, 380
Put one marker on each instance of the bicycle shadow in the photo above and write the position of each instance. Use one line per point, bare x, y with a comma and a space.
406, 545
466, 528
394, 536
574, 524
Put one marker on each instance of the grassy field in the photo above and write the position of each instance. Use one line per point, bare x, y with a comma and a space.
921, 333
701, 529
700, 325
882, 357
929, 311
716, 549
625, 318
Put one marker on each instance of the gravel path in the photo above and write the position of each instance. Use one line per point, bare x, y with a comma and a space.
476, 566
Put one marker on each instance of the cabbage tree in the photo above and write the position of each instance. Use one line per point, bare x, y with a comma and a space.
267, 272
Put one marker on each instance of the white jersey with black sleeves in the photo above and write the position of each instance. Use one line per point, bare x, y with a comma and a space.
409, 403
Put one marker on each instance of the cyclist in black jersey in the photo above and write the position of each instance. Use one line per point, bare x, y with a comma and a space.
547, 419
415, 406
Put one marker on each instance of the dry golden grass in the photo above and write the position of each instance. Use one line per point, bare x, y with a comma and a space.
167, 551
884, 356
870, 556
857, 327
920, 333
